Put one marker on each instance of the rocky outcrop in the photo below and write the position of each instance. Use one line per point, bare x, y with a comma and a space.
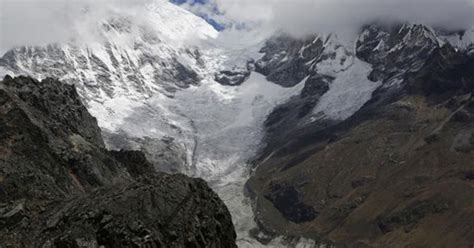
60, 187
398, 172
235, 76
287, 61
165, 154
396, 51
156, 211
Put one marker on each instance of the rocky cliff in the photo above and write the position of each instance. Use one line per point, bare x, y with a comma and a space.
60, 187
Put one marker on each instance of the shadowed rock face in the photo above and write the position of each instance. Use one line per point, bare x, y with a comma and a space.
60, 187
288, 201
156, 211
287, 61
397, 173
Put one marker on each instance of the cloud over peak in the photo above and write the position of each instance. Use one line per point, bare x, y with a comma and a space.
39, 22
301, 17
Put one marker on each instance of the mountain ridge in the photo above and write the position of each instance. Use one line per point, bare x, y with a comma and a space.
60, 187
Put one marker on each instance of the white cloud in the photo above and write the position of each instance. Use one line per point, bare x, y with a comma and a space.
40, 22
30, 22
36, 22
300, 17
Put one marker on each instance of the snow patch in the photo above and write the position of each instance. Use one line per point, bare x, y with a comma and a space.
112, 113
463, 41
348, 92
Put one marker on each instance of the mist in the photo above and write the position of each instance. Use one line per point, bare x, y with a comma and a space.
302, 17
40, 22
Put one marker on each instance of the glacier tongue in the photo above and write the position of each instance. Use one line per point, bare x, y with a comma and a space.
220, 127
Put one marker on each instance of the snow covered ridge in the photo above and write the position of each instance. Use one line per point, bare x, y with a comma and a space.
342, 76
463, 40
121, 54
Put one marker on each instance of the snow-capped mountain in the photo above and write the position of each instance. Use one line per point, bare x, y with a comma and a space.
120, 62
165, 84
150, 83
342, 76
344, 159
123, 55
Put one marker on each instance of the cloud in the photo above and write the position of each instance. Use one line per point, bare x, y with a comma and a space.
301, 17
32, 22
41, 22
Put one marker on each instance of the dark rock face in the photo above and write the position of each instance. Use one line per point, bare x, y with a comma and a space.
59, 186
51, 141
166, 155
447, 71
158, 211
287, 61
396, 51
288, 202
56, 104
136, 162
284, 121
232, 78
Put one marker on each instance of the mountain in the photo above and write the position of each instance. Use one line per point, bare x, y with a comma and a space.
382, 159
123, 55
123, 61
155, 92
60, 187
338, 79
315, 129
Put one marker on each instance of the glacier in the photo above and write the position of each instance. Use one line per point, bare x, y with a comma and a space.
153, 77
220, 127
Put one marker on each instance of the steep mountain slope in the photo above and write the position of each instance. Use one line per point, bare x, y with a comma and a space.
184, 124
394, 173
340, 80
122, 54
120, 61
60, 187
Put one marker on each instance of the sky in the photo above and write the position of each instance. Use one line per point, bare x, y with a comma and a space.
204, 9
39, 22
